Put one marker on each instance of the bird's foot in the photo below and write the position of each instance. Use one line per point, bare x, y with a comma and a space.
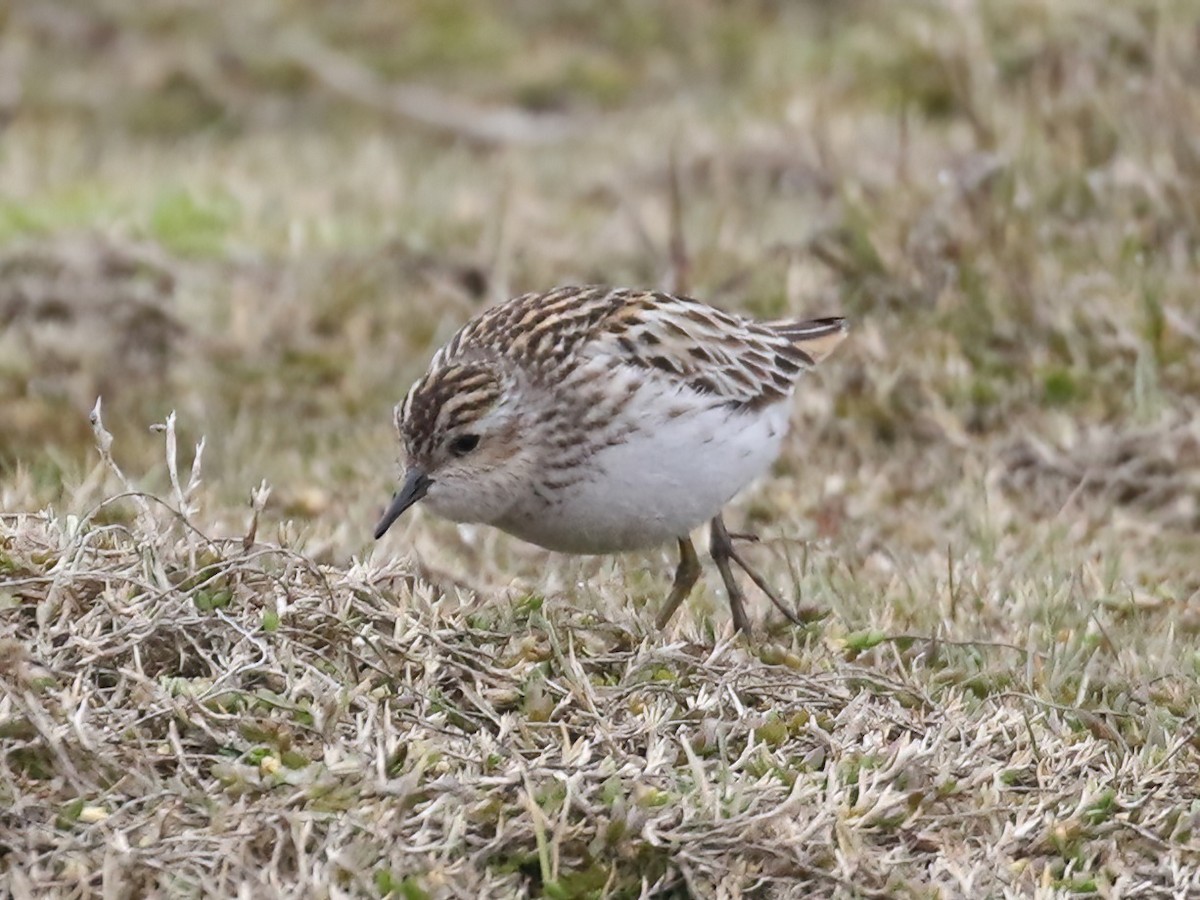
748, 537
723, 551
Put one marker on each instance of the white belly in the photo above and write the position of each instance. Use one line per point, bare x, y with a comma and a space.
668, 478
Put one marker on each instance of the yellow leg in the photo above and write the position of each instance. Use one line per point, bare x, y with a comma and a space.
686, 575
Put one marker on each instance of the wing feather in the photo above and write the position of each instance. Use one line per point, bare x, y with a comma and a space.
680, 340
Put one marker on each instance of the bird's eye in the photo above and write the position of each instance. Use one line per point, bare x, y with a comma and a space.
464, 444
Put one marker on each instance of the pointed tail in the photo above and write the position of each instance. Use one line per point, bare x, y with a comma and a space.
816, 338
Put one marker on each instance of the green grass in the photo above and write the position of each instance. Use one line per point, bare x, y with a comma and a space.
991, 492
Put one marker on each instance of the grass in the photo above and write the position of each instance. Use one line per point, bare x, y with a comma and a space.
212, 681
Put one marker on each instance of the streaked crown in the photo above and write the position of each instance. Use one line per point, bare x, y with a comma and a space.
447, 402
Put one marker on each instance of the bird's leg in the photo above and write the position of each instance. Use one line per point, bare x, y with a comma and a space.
748, 536
722, 546
686, 574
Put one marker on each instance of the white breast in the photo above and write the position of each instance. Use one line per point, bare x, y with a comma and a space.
672, 475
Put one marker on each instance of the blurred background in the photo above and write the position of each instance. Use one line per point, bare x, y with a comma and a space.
266, 215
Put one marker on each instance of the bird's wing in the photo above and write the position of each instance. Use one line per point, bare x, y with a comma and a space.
679, 340
732, 359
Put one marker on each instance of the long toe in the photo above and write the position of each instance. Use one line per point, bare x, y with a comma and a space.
721, 547
762, 585
747, 537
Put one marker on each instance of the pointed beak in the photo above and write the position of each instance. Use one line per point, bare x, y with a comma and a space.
416, 483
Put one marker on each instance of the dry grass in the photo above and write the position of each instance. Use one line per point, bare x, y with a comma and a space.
994, 491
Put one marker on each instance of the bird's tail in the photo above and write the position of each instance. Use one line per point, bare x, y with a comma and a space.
817, 338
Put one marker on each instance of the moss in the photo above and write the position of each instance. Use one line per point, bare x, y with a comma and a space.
193, 225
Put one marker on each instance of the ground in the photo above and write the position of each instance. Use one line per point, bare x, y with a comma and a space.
252, 223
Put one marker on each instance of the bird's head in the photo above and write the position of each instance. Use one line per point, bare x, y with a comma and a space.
464, 427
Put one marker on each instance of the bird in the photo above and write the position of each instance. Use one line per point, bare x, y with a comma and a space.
599, 420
